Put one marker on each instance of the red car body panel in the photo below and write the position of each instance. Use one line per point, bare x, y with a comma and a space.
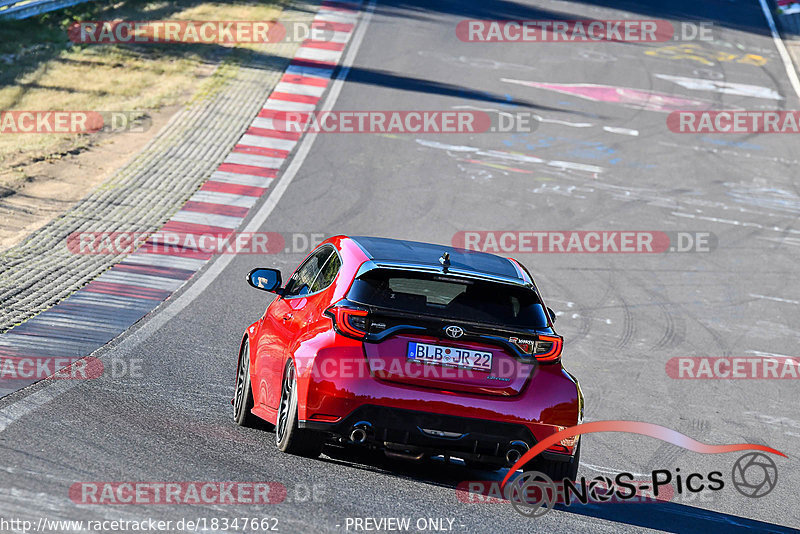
335, 377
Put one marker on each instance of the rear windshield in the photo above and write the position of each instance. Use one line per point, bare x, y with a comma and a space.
450, 298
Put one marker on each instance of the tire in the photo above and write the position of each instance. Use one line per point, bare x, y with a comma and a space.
243, 394
557, 471
288, 437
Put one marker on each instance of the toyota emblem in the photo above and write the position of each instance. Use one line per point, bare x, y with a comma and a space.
454, 331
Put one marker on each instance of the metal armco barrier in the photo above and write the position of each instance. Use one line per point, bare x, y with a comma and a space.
22, 9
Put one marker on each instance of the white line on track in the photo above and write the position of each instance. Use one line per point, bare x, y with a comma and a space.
785, 57
170, 309
776, 299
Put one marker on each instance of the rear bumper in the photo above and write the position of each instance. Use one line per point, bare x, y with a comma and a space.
337, 390
464, 437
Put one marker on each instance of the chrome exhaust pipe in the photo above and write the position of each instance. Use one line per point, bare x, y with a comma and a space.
359, 432
515, 451
358, 435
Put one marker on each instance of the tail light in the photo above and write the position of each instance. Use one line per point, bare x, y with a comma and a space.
348, 320
546, 349
567, 443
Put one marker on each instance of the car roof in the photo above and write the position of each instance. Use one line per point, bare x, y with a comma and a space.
383, 250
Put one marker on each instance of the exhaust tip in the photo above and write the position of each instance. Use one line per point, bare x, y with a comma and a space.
359, 432
358, 435
515, 451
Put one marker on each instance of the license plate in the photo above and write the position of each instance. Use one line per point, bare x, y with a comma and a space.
438, 354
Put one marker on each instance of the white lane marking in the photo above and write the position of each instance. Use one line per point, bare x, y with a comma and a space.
77, 321
776, 299
335, 17
511, 156
338, 37
444, 146
717, 86
288, 105
146, 281
164, 260
771, 354
299, 89
620, 131
565, 123
254, 160
241, 179
267, 142
226, 199
776, 38
743, 224
170, 308
318, 54
208, 219
281, 124
104, 300
575, 166
539, 118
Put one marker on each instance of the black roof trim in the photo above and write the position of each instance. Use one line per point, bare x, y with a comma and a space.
381, 249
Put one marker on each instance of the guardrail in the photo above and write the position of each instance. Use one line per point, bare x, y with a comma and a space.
22, 9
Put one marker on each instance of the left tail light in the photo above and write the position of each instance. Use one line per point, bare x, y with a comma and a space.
545, 349
348, 320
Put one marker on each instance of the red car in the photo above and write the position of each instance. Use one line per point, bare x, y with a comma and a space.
411, 348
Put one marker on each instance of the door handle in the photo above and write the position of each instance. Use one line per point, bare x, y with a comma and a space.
287, 316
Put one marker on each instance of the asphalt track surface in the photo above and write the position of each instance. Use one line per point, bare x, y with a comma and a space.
623, 315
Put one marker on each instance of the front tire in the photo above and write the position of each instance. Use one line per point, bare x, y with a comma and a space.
288, 436
243, 396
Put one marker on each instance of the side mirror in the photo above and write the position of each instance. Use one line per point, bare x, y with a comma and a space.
552, 314
265, 279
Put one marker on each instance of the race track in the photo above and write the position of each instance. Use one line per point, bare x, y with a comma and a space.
599, 164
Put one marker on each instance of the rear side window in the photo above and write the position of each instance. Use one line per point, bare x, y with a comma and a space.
304, 280
328, 273
450, 298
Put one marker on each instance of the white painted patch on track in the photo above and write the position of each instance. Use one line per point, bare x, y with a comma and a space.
776, 299
718, 86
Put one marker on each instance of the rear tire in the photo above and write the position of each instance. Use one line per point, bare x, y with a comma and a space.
557, 471
288, 437
243, 395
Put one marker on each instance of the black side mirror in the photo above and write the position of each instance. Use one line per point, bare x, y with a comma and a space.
552, 314
265, 279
